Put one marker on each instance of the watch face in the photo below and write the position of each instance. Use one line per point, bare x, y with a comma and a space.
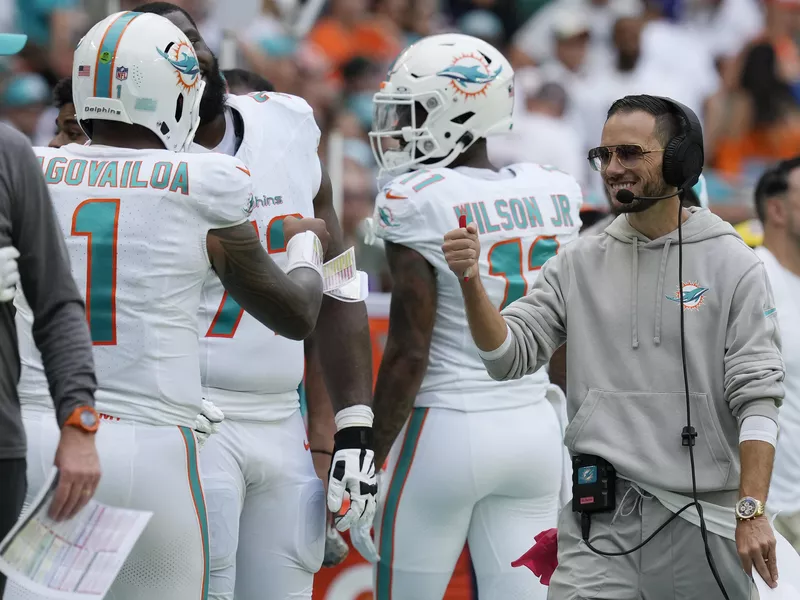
88, 419
746, 508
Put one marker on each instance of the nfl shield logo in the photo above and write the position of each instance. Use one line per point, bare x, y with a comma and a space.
122, 73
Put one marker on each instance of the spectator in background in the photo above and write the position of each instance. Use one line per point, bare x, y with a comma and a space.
267, 25
389, 22
764, 123
241, 82
24, 99
571, 36
349, 31
361, 77
53, 28
532, 43
484, 25
314, 85
777, 201
723, 26
67, 129
541, 135
274, 58
671, 48
424, 18
359, 193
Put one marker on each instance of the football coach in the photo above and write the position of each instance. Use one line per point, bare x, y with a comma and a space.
653, 435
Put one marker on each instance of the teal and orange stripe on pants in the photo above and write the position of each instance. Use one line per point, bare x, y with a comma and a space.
199, 502
383, 583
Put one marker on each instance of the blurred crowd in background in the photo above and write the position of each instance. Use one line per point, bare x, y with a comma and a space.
735, 62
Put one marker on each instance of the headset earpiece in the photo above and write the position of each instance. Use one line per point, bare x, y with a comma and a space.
684, 155
672, 165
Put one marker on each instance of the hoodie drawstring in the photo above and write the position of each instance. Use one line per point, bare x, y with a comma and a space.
660, 293
639, 495
635, 293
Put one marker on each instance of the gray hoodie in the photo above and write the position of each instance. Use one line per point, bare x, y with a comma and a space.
619, 293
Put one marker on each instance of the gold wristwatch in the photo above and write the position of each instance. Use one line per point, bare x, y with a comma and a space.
749, 508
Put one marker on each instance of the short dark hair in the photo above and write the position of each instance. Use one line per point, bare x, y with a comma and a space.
62, 93
164, 8
245, 78
773, 182
668, 123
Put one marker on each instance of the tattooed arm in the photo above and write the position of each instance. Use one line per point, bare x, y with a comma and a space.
286, 303
405, 360
343, 345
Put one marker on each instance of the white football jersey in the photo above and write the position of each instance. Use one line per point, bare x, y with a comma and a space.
250, 372
524, 214
135, 223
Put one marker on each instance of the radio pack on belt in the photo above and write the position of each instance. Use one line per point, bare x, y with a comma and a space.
593, 484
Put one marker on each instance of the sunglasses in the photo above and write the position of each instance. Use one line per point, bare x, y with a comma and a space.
628, 155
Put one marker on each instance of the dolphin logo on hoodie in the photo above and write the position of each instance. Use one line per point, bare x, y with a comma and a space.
693, 295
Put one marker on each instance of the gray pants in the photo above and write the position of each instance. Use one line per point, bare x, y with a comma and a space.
672, 566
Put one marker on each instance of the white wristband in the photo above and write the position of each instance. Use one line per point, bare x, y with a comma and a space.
359, 415
500, 350
758, 428
304, 250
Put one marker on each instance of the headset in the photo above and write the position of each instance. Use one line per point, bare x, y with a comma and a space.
682, 167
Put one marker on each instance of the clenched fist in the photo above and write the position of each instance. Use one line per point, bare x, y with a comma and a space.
462, 249
292, 226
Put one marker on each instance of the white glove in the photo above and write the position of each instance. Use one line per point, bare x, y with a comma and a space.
9, 275
353, 468
207, 422
361, 535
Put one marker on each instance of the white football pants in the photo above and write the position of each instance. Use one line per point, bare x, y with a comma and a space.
266, 511
144, 467
490, 479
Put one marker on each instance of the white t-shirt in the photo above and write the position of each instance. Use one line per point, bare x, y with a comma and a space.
783, 491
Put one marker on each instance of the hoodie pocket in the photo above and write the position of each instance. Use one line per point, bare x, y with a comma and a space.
640, 434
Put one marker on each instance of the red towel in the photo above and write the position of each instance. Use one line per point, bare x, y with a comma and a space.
542, 558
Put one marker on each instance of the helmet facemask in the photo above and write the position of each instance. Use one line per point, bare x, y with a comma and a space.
400, 137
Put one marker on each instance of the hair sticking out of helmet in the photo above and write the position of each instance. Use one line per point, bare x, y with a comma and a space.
441, 95
139, 69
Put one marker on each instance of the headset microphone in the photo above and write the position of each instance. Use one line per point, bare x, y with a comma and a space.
626, 196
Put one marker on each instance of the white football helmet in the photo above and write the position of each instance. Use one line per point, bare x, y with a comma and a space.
441, 95
139, 69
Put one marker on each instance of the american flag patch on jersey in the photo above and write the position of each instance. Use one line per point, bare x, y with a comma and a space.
84, 71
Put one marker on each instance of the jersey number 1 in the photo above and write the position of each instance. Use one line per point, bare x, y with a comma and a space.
97, 219
505, 260
229, 313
